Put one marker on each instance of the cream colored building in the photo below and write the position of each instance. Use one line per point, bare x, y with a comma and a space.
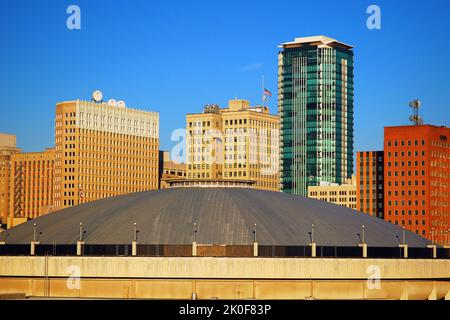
7, 148
103, 150
169, 169
343, 195
31, 186
235, 143
204, 144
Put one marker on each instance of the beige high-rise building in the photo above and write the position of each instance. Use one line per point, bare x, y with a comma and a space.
103, 150
7, 148
235, 143
31, 185
343, 194
204, 144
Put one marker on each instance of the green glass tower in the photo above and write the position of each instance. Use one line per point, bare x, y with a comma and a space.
315, 105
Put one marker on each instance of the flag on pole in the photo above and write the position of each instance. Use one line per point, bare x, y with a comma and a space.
265, 99
267, 92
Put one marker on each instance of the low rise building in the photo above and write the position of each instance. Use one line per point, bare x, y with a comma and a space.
343, 195
169, 169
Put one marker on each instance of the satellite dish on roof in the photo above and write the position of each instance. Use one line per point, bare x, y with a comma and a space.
121, 104
415, 103
419, 120
414, 118
97, 96
112, 102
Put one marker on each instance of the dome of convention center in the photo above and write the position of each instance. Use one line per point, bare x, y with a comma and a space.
223, 216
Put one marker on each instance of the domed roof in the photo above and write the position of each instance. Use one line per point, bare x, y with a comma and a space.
223, 216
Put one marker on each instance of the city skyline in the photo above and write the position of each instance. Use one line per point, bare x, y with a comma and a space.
244, 58
224, 151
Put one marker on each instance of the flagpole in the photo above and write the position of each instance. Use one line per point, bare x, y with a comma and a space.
262, 90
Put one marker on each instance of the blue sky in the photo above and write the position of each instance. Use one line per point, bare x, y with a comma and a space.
176, 56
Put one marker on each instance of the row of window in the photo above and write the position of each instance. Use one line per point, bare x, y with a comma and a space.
395, 143
403, 202
333, 193
338, 200
409, 212
403, 193
114, 138
257, 123
410, 153
403, 183
34, 164
410, 173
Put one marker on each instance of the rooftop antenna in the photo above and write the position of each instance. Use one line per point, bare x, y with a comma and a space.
414, 118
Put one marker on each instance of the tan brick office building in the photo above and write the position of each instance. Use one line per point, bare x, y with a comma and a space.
7, 148
204, 144
239, 142
169, 169
103, 150
340, 194
31, 186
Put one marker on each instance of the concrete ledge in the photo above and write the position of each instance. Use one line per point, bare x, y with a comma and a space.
224, 268
225, 278
225, 289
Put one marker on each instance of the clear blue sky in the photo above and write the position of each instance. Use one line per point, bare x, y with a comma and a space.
176, 56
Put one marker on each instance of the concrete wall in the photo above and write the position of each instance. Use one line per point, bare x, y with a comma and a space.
224, 278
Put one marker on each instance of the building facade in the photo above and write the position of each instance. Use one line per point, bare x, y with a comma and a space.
343, 195
103, 150
417, 179
204, 144
31, 186
7, 148
240, 142
315, 105
370, 182
169, 169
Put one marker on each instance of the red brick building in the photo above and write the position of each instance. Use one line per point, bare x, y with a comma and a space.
417, 179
